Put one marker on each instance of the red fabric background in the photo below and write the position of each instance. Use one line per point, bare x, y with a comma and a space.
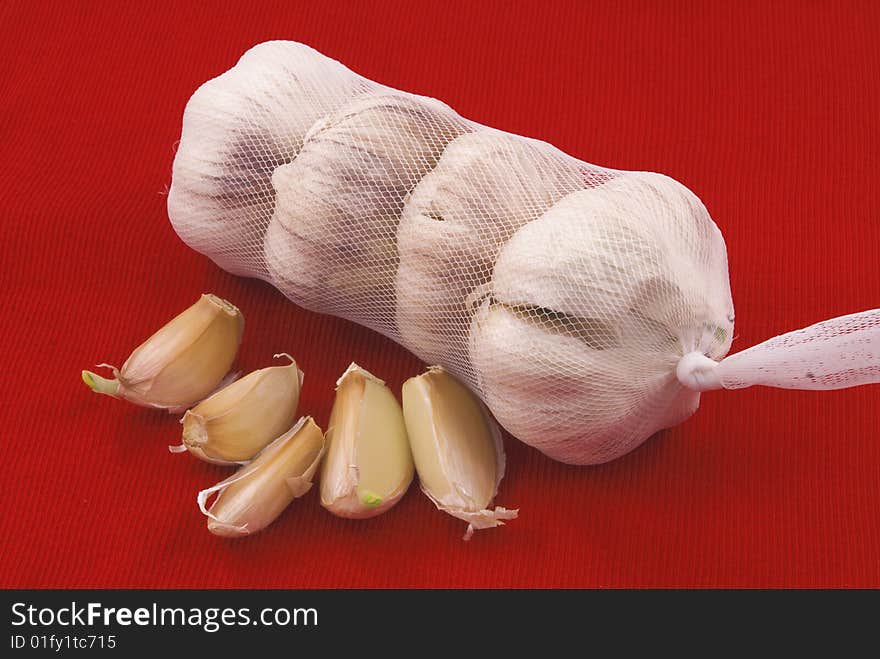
768, 111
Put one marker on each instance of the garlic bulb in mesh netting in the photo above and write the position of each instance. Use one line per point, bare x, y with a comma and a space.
590, 307
237, 128
338, 202
587, 307
456, 219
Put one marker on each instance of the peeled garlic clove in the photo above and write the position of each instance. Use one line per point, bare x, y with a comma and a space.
180, 364
369, 465
237, 422
252, 498
486, 185
237, 128
572, 401
457, 448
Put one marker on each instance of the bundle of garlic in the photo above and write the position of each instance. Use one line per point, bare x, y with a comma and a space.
587, 307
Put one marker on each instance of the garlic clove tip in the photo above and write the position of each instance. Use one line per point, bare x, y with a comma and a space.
101, 385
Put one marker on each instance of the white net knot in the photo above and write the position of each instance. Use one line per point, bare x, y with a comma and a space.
698, 372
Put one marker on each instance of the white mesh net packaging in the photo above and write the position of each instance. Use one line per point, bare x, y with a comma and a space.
587, 307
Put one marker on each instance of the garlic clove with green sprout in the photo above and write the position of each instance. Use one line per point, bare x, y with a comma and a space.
457, 449
369, 465
180, 364
253, 497
237, 422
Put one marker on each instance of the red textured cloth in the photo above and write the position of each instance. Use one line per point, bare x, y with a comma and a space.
768, 111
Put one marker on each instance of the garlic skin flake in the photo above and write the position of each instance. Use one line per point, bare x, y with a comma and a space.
252, 498
369, 466
234, 424
457, 449
180, 364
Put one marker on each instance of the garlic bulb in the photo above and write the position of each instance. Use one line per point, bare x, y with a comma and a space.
589, 310
368, 466
181, 363
252, 498
237, 422
457, 449
338, 203
486, 185
237, 128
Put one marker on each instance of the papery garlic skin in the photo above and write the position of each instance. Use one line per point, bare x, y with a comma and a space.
183, 362
237, 128
368, 466
339, 201
485, 186
234, 424
457, 448
258, 493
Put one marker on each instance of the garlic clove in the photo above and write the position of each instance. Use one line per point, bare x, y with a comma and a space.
258, 493
237, 422
457, 448
180, 364
369, 464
